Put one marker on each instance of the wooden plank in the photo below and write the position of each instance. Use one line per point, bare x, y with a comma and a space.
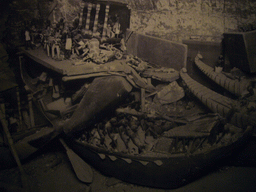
39, 56
66, 67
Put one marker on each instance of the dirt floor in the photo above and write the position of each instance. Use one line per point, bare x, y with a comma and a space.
49, 170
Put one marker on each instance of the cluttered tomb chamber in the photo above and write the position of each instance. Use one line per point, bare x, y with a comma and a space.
128, 103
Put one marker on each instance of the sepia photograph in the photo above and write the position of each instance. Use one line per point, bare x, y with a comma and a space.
127, 95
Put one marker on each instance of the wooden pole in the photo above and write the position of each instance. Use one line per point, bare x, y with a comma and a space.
104, 33
54, 16
31, 112
142, 99
81, 15
2, 107
19, 108
13, 150
95, 26
149, 81
88, 17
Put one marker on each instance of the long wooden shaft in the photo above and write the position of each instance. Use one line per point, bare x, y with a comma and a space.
9, 138
11, 145
104, 33
81, 15
53, 15
31, 112
89, 9
142, 99
19, 108
95, 26
2, 107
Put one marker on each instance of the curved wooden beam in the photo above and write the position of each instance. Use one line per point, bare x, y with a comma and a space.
234, 86
218, 103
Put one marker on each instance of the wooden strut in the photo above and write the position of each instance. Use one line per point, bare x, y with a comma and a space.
19, 108
104, 33
142, 99
31, 112
13, 151
95, 27
89, 9
54, 5
54, 16
81, 15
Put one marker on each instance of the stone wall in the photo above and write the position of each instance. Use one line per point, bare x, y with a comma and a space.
197, 19
177, 20
174, 20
